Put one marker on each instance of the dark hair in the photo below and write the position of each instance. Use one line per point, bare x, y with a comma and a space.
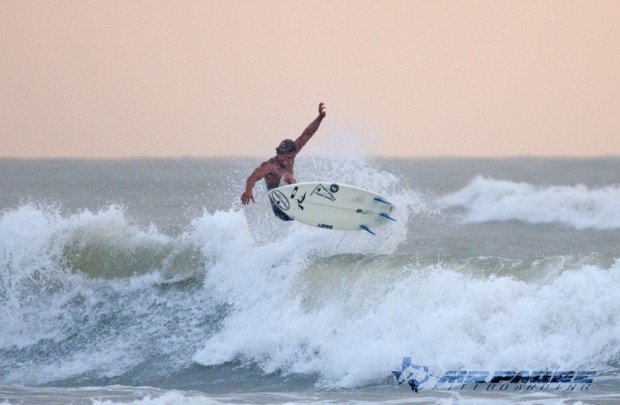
287, 146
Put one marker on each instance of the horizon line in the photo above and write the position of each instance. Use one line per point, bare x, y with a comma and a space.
221, 157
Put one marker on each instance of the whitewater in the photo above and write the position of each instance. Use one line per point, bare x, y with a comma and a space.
146, 280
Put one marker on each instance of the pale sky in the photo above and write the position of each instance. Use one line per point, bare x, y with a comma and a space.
110, 79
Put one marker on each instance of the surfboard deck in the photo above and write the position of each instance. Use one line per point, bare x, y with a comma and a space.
333, 205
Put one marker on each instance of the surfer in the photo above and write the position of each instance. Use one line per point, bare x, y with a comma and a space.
280, 167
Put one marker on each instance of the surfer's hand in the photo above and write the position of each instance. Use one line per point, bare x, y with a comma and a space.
247, 196
288, 178
321, 110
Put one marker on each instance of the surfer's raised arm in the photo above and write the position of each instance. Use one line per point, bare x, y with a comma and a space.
311, 129
280, 167
258, 173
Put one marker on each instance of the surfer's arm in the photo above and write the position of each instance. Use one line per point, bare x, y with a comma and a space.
258, 173
311, 129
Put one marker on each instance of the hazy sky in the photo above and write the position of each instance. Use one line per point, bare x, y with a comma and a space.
415, 78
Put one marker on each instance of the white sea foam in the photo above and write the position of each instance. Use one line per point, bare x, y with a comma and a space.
351, 321
51, 295
308, 301
165, 398
578, 206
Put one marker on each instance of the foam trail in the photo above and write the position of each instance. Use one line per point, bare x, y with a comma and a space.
578, 206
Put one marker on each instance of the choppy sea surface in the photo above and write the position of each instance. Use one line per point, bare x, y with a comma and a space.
147, 281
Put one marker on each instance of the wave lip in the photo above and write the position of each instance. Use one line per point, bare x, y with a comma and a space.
578, 206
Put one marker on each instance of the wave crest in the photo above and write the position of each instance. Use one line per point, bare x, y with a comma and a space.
578, 206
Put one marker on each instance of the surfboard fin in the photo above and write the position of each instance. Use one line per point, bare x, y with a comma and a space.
367, 229
381, 200
384, 215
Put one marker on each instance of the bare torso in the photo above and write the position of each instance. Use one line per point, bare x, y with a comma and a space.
278, 169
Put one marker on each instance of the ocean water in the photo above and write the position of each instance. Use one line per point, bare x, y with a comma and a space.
147, 281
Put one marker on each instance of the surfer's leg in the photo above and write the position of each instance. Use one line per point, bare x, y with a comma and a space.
280, 214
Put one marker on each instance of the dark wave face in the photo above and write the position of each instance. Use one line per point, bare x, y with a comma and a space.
478, 276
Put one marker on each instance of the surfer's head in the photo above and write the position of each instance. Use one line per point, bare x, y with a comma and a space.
286, 146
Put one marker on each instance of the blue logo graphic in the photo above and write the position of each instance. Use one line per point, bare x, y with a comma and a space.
498, 380
412, 373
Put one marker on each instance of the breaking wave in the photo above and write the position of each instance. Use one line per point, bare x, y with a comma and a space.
91, 297
578, 206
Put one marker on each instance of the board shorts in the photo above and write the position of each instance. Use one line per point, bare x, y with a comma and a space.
280, 214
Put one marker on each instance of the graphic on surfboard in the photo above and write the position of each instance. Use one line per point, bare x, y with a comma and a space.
333, 206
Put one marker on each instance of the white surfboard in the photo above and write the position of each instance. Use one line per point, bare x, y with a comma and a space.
333, 205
